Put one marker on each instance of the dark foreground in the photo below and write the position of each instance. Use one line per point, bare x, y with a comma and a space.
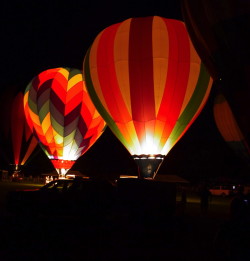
186, 235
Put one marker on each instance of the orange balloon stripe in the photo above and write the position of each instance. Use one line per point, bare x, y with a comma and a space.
121, 58
125, 132
160, 54
129, 133
134, 138
107, 76
195, 64
159, 129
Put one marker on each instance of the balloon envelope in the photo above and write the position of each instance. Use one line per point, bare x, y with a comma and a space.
148, 83
220, 33
229, 129
62, 116
18, 142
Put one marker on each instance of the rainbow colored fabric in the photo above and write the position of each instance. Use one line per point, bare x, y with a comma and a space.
59, 111
147, 81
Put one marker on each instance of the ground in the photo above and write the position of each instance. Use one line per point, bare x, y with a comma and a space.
187, 235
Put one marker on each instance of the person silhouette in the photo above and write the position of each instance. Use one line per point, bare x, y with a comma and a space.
205, 197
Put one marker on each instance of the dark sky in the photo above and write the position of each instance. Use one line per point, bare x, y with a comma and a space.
38, 35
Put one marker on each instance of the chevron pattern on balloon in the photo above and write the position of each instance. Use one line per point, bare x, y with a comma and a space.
61, 114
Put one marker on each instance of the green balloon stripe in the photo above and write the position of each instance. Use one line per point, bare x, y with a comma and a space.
193, 105
105, 115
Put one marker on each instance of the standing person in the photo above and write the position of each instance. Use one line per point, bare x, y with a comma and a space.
205, 197
184, 197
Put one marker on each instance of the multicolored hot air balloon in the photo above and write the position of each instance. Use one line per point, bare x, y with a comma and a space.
62, 116
229, 129
148, 83
17, 140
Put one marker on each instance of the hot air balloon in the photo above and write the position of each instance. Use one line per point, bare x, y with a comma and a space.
62, 116
17, 140
148, 83
220, 33
229, 129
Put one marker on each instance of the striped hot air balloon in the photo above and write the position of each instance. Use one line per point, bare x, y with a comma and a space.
20, 132
17, 141
220, 33
148, 83
229, 128
62, 116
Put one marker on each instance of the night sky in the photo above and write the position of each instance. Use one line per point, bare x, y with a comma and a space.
39, 35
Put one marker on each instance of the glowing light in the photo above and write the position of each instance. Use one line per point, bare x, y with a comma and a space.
148, 83
17, 140
62, 116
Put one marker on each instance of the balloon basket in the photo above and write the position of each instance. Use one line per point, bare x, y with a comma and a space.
148, 165
62, 166
16, 172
